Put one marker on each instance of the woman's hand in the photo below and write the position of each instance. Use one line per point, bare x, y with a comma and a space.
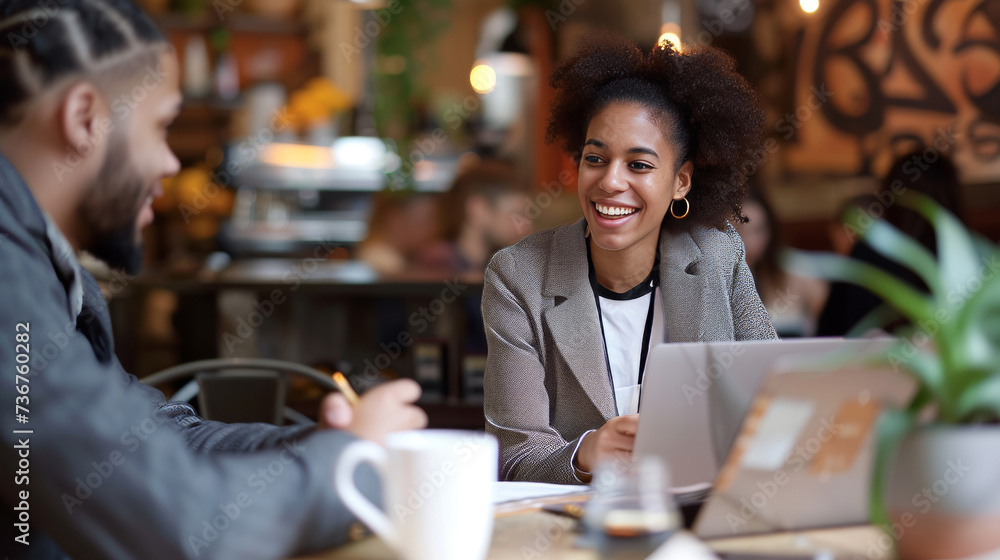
615, 438
384, 409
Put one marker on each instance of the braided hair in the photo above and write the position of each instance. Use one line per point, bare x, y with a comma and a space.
43, 43
708, 112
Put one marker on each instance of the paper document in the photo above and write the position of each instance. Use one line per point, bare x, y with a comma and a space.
506, 492
517, 491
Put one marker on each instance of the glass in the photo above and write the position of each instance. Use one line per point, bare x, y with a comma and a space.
632, 512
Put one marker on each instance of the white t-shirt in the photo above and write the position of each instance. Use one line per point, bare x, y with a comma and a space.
624, 323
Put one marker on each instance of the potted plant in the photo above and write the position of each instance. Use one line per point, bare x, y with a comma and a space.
936, 485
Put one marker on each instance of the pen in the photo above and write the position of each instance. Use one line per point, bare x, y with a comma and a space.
345, 388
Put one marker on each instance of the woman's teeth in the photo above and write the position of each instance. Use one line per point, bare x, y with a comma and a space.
614, 210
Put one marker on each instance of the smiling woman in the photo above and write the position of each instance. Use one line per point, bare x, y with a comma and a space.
571, 312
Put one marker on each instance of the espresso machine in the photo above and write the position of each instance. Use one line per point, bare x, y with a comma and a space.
294, 197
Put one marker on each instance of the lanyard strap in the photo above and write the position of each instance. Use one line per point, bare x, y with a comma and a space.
653, 282
648, 331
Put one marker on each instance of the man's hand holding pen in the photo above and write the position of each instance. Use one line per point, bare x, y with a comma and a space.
387, 408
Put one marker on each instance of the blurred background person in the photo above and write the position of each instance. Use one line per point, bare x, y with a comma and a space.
401, 226
842, 239
483, 212
793, 302
848, 303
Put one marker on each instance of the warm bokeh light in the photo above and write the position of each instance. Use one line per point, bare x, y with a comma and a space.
670, 32
809, 6
297, 155
483, 78
671, 38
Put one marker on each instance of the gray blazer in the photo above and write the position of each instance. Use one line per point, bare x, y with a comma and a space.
546, 379
117, 473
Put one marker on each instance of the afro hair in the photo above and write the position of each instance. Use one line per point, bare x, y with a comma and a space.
708, 111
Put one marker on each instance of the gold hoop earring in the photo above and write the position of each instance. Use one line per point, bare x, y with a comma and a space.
687, 208
586, 234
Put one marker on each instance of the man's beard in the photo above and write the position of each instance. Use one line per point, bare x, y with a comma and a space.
118, 191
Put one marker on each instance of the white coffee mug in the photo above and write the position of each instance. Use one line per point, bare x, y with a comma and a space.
437, 487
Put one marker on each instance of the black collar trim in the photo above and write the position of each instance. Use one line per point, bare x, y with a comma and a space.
641, 289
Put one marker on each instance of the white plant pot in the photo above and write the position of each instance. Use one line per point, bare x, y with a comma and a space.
944, 493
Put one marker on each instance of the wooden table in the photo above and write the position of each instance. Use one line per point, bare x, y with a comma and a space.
533, 533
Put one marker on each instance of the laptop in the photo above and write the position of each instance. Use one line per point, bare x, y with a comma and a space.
695, 395
804, 455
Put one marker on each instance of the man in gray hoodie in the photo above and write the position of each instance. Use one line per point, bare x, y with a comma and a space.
97, 464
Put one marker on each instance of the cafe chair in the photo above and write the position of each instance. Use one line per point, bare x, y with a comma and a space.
240, 389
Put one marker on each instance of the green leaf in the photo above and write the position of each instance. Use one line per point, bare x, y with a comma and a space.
981, 397
911, 303
893, 244
973, 302
977, 326
984, 246
892, 427
920, 400
957, 251
925, 366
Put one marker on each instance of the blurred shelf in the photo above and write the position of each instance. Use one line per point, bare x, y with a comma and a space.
235, 22
339, 278
201, 125
453, 413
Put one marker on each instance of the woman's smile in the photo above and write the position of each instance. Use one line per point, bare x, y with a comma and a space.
614, 211
610, 216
